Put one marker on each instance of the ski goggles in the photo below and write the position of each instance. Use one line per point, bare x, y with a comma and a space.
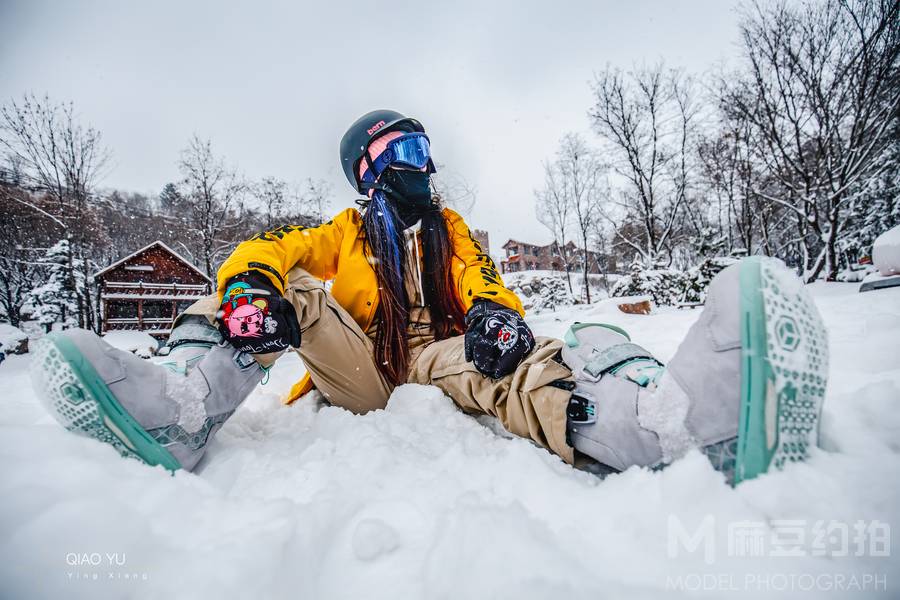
412, 150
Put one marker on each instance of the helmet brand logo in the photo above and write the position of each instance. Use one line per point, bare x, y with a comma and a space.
375, 127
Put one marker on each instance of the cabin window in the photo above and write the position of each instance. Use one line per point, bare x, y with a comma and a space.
157, 309
122, 310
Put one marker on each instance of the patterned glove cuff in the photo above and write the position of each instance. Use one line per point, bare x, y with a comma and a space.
482, 307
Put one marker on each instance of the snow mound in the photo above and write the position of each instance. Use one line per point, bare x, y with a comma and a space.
666, 287
541, 291
12, 339
136, 342
670, 287
886, 252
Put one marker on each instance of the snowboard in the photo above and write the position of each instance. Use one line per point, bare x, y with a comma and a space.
784, 361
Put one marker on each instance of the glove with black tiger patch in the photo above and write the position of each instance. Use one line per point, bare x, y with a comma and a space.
255, 317
497, 338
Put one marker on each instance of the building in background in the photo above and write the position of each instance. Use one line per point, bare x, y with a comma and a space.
524, 256
147, 289
481, 236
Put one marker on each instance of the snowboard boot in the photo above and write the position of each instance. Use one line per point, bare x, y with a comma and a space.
746, 385
162, 411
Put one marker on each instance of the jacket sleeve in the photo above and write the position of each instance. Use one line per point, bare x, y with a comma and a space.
474, 271
276, 252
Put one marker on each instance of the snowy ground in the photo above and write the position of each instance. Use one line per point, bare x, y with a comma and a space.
421, 501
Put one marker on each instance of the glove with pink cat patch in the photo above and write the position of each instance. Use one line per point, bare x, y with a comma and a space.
255, 318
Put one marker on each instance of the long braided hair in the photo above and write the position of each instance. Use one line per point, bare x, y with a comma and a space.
386, 250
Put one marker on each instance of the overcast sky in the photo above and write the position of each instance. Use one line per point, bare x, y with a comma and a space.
274, 85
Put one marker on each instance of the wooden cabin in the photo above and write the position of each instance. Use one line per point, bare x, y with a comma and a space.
147, 289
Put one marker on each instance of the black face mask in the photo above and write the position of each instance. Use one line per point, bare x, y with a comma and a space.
410, 192
412, 188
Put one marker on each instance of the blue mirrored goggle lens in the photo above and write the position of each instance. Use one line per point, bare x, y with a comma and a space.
412, 151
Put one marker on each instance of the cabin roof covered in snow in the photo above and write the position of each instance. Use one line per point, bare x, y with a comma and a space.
160, 244
514, 242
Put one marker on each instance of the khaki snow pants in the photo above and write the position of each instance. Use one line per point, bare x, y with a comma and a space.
340, 359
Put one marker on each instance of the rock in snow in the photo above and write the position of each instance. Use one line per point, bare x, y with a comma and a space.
422, 501
635, 305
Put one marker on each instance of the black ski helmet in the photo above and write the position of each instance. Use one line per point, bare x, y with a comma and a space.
363, 131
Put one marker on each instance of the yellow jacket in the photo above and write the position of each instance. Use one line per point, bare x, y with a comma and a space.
334, 250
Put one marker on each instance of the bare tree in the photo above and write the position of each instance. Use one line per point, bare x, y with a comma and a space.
455, 190
25, 237
271, 193
647, 118
314, 198
730, 175
553, 211
575, 178
213, 196
821, 92
58, 157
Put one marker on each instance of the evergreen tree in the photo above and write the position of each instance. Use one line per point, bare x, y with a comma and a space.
169, 199
56, 300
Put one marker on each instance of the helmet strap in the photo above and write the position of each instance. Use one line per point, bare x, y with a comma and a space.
376, 185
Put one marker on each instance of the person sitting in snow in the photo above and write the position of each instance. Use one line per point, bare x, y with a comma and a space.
416, 300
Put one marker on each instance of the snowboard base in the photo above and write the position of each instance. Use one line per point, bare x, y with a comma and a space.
879, 282
784, 369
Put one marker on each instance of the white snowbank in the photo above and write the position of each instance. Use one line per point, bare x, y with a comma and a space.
422, 501
886, 252
542, 290
10, 337
138, 342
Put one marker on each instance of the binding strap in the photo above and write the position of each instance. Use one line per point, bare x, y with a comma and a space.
572, 340
603, 361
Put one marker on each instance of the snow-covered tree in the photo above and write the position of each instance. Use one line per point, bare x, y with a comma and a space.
170, 199
213, 194
313, 200
553, 211
647, 120
55, 300
542, 293
62, 159
272, 195
573, 190
665, 287
819, 87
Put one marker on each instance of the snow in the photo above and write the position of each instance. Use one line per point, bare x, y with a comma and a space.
421, 501
542, 290
138, 342
10, 336
143, 296
886, 252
